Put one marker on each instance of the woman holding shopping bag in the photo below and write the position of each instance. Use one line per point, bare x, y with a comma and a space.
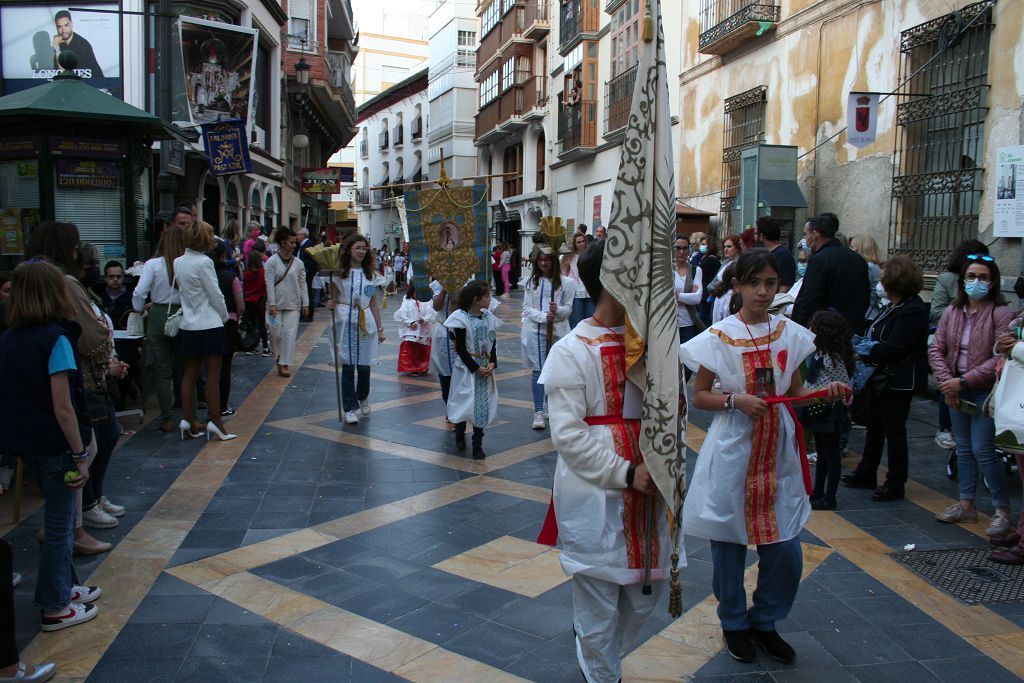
287, 298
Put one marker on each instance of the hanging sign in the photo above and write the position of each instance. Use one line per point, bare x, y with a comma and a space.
1009, 192
321, 180
227, 147
87, 174
861, 118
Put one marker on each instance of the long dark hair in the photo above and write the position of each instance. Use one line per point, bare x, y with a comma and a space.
556, 272
832, 337
473, 290
345, 256
56, 242
959, 255
994, 295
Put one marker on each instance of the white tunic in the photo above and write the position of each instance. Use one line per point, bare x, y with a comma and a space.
357, 329
536, 305
589, 495
412, 311
473, 398
748, 485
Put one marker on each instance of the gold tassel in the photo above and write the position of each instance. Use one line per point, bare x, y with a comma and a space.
647, 33
675, 597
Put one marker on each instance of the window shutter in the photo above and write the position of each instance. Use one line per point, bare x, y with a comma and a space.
98, 214
300, 9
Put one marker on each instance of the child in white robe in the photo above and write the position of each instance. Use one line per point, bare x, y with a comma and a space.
415, 332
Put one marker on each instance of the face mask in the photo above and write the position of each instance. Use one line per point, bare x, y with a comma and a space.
703, 248
801, 268
976, 289
882, 298
802, 246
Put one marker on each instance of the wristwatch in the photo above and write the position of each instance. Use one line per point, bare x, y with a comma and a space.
963, 384
630, 475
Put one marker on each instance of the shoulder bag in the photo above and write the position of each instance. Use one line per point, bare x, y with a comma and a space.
173, 323
698, 324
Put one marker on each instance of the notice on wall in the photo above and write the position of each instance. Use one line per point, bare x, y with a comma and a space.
861, 118
15, 225
1009, 192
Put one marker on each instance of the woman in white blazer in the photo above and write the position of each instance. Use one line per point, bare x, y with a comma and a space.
287, 297
201, 339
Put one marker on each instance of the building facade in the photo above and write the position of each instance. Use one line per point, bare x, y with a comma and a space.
780, 73
452, 91
392, 146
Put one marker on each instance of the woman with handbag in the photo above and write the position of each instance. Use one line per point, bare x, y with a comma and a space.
156, 285
962, 358
231, 288
1009, 344
898, 340
201, 339
287, 297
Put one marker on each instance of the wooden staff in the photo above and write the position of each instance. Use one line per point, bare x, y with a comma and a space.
337, 359
649, 531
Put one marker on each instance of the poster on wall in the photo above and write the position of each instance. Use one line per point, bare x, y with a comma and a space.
218, 61
861, 118
32, 36
1009, 192
15, 226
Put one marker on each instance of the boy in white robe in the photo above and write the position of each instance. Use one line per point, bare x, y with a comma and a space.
601, 486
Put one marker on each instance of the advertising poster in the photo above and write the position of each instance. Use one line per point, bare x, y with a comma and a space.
218, 61
1009, 192
32, 36
15, 226
87, 174
321, 180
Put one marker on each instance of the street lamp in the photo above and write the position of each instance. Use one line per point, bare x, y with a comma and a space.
301, 140
302, 68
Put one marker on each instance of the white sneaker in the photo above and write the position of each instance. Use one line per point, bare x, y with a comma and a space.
364, 407
110, 508
96, 518
944, 439
15, 580
1001, 524
812, 457
85, 594
538, 420
74, 613
352, 417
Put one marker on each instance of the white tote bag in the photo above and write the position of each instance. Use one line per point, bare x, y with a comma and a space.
1008, 403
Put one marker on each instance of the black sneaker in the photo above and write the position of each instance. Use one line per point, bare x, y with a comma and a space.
739, 644
227, 412
460, 441
478, 453
773, 645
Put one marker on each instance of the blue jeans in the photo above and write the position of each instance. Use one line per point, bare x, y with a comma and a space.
107, 434
779, 566
976, 446
351, 392
582, 309
56, 571
538, 392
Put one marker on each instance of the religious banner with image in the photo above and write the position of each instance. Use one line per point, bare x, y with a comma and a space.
448, 235
227, 147
218, 61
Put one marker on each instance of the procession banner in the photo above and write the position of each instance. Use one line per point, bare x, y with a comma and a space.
448, 236
321, 180
217, 72
861, 118
31, 37
227, 147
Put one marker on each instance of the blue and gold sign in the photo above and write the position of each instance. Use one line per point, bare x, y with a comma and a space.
227, 147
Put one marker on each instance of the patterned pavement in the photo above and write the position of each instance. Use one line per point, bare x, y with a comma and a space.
311, 550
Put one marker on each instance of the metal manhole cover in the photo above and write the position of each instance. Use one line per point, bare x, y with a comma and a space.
967, 574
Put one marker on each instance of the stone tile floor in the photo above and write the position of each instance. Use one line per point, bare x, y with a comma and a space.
309, 550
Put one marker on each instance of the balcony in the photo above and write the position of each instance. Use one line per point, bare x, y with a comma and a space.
338, 75
495, 44
416, 129
383, 140
618, 98
536, 22
727, 24
508, 112
539, 105
577, 130
363, 197
364, 148
399, 136
580, 19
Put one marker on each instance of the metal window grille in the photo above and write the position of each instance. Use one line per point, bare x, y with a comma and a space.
937, 170
744, 128
618, 98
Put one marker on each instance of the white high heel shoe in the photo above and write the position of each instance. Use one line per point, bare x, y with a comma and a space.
185, 427
215, 430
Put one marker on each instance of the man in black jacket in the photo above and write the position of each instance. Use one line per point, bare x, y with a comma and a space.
836, 278
312, 268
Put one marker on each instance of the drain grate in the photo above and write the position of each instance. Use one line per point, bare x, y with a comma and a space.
966, 574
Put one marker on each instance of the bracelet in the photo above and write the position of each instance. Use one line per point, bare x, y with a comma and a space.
730, 402
630, 475
80, 456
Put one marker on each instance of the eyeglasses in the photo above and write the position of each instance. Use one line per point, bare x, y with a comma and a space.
980, 257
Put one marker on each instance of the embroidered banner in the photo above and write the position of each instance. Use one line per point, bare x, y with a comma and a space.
227, 147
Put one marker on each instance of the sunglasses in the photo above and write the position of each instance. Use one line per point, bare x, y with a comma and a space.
980, 257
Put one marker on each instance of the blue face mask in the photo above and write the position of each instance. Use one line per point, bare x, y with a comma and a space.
801, 268
802, 246
703, 248
976, 289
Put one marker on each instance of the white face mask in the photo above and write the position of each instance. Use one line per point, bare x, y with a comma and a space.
880, 291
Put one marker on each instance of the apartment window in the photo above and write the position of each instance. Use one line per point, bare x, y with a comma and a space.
744, 128
938, 178
466, 53
301, 32
506, 5
513, 163
489, 88
625, 36
542, 149
489, 19
508, 70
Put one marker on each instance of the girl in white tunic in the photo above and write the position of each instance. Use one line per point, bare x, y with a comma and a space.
355, 301
547, 300
287, 298
751, 483
474, 394
417, 326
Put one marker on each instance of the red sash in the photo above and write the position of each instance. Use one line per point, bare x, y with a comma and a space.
802, 445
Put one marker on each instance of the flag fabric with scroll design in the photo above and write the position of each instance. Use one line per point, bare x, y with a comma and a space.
637, 271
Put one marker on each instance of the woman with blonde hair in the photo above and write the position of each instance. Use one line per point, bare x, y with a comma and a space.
202, 341
866, 246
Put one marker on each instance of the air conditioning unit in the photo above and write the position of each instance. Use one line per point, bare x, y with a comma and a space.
259, 137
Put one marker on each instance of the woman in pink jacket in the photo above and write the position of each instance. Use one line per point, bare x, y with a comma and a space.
962, 359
